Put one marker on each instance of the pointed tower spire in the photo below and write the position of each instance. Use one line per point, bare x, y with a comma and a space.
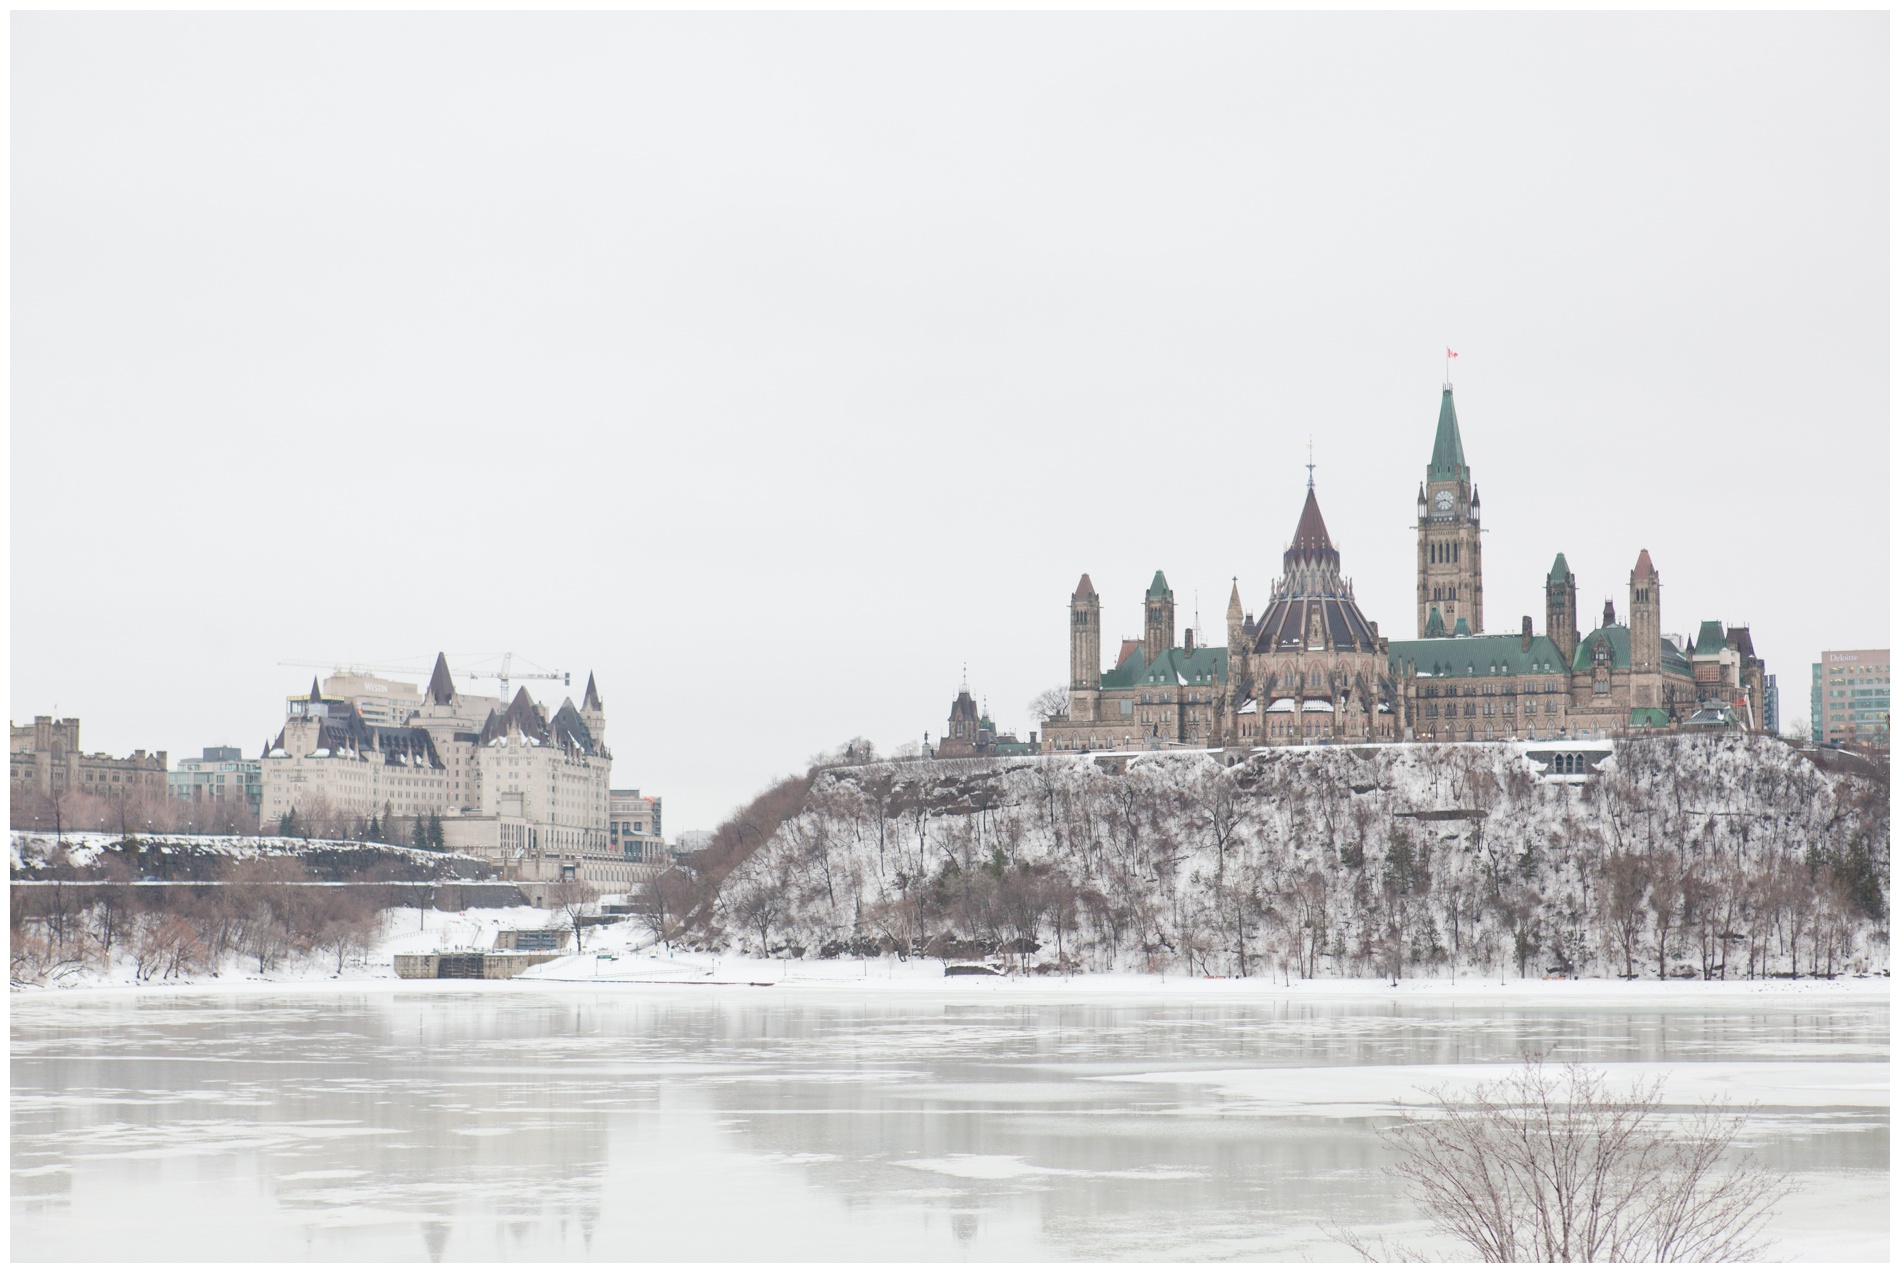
441, 688
1448, 449
590, 701
316, 691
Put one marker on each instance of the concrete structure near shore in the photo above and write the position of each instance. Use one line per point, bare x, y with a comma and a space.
471, 965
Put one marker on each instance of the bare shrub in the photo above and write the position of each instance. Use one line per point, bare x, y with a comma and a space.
166, 946
1551, 1165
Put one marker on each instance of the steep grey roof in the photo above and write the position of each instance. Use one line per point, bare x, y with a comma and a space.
348, 731
566, 729
441, 688
1285, 625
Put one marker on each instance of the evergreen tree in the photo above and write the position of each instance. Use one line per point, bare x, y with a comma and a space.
420, 835
435, 831
287, 825
374, 832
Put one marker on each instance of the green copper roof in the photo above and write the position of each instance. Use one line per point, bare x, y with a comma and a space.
1203, 665
1618, 637
1435, 626
1501, 655
1674, 660
1159, 588
1448, 452
1126, 672
1649, 717
1559, 570
1463, 628
1711, 639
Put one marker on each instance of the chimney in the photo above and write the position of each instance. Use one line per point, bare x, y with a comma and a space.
1525, 643
1190, 640
1609, 613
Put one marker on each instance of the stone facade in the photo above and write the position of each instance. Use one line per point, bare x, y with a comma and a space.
1157, 695
1462, 685
1450, 549
508, 780
1314, 669
45, 756
969, 732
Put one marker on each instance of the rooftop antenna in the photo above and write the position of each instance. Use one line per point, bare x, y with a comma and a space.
1309, 462
965, 687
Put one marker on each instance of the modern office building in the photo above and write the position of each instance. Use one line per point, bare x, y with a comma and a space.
1849, 697
222, 773
633, 825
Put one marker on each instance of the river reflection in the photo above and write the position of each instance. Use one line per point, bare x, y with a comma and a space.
508, 1121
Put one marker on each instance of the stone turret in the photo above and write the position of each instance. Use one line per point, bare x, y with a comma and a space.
1560, 608
1085, 650
1645, 634
1158, 628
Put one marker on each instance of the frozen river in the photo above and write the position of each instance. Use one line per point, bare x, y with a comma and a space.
514, 1121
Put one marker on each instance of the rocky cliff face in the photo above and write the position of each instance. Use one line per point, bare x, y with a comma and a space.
1704, 856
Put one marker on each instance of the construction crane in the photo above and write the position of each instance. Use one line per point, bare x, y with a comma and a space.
504, 675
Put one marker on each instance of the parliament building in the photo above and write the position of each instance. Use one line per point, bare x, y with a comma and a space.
1312, 668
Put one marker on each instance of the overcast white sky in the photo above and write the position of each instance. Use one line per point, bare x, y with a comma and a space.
773, 367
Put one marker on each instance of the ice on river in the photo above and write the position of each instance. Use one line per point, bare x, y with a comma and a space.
557, 1120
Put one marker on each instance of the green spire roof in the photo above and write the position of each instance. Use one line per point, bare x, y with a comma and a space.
1435, 625
1559, 570
1463, 628
1711, 639
1159, 588
1448, 452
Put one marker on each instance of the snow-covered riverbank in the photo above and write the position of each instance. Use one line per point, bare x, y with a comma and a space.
623, 957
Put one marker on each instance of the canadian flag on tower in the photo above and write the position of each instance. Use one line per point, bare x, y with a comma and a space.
1450, 352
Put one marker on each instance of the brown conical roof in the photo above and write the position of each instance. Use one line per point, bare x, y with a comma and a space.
1310, 535
1085, 589
1644, 569
441, 688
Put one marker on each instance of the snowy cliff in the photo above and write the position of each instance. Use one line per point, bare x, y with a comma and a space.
1702, 856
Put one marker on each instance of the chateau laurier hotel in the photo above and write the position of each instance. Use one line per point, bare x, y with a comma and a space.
1312, 668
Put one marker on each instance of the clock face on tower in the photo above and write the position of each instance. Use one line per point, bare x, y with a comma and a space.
1442, 501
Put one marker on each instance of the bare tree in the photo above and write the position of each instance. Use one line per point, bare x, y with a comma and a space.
1551, 1165
1624, 883
1053, 701
571, 900
759, 907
